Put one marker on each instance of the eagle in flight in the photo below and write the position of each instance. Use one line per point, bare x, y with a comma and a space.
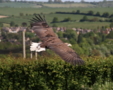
50, 40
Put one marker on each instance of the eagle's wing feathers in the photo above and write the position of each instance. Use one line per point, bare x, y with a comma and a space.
50, 40
66, 53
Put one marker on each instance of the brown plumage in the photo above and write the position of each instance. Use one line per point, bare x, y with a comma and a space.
50, 40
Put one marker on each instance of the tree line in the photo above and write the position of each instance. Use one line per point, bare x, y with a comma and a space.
90, 13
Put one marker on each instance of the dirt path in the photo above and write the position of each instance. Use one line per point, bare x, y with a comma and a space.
3, 16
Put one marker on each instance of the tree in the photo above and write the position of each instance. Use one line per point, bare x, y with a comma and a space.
95, 52
70, 34
12, 23
55, 20
54, 25
60, 34
21, 14
80, 38
84, 18
78, 11
82, 1
111, 25
110, 35
94, 19
24, 24
105, 14
104, 0
67, 19
89, 35
111, 20
29, 34
90, 13
57, 1
1, 24
97, 14
50, 1
111, 16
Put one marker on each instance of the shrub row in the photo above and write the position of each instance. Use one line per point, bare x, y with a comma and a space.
54, 74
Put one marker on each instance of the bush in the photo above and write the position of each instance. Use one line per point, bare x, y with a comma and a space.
53, 74
55, 20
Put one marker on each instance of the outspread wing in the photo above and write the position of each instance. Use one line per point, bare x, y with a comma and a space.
66, 53
50, 40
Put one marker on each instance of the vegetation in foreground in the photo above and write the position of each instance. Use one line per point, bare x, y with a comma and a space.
47, 73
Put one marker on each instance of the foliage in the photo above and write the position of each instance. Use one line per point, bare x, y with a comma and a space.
21, 14
110, 35
24, 24
84, 18
90, 12
105, 14
78, 11
67, 19
55, 20
54, 74
60, 34
12, 23
97, 14
29, 34
80, 38
14, 15
70, 34
111, 24
1, 24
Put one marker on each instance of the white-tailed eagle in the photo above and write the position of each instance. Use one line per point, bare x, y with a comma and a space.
50, 40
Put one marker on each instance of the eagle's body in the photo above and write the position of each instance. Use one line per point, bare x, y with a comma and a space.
50, 40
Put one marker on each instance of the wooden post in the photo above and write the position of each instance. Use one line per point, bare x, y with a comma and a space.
24, 46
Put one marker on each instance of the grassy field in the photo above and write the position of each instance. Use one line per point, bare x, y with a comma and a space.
84, 25
68, 5
76, 23
50, 14
16, 11
34, 5
19, 5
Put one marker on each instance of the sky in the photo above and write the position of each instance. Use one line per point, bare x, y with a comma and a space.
74, 0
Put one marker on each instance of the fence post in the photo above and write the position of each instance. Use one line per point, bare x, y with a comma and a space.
24, 46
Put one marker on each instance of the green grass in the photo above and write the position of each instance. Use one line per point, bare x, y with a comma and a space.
16, 11
50, 14
17, 20
63, 16
86, 25
75, 23
97, 9
68, 5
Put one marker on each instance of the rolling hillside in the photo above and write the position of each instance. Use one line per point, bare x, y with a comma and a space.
19, 5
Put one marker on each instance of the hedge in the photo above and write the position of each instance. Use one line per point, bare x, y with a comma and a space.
54, 74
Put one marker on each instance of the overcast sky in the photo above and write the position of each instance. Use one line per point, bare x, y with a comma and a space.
74, 0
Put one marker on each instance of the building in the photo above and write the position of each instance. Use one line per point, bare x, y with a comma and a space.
57, 1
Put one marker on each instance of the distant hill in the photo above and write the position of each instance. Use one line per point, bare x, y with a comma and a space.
105, 4
55, 5
19, 5
68, 5
38, 5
